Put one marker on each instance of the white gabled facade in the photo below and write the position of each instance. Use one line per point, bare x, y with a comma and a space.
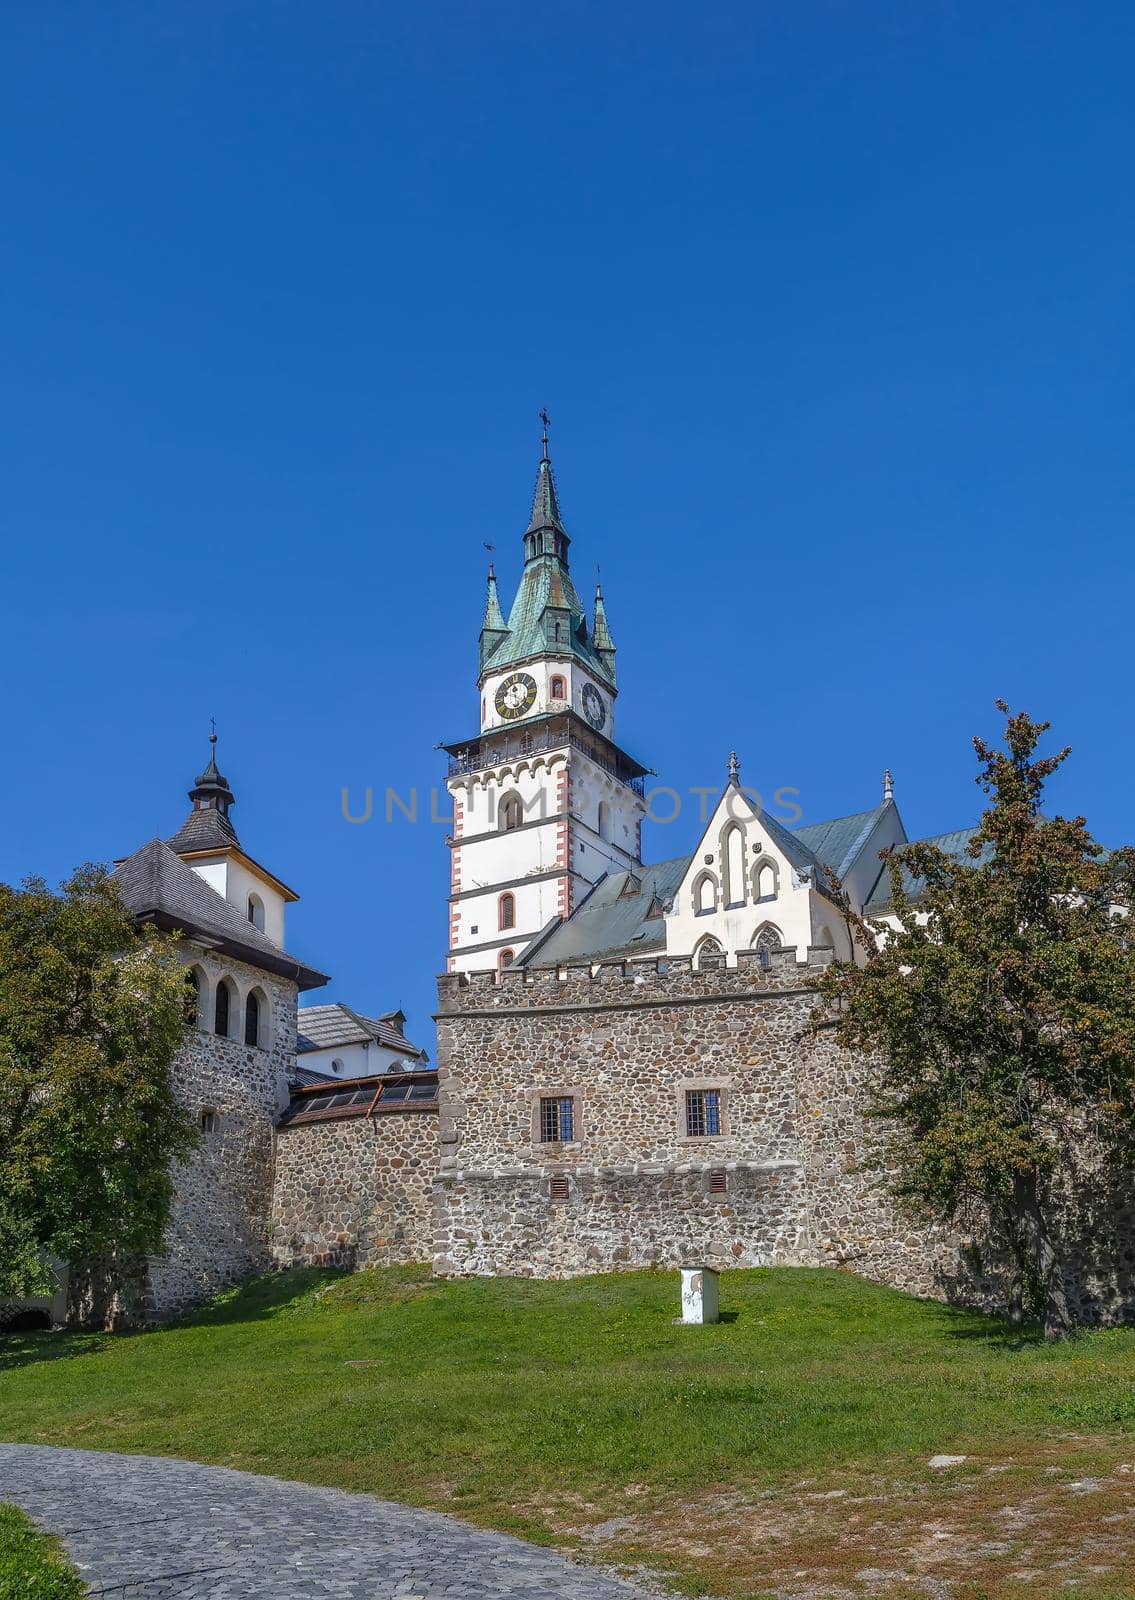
752, 884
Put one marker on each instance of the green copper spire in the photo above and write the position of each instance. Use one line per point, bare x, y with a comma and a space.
601, 640
493, 628
545, 534
547, 616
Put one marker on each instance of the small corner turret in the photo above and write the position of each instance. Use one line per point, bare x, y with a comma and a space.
601, 640
494, 629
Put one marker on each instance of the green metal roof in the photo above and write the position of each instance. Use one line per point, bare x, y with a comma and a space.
837, 844
613, 920
547, 615
954, 845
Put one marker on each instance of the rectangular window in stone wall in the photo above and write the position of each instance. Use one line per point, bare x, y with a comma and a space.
703, 1113
557, 1119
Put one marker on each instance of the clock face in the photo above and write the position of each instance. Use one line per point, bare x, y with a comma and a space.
515, 696
593, 708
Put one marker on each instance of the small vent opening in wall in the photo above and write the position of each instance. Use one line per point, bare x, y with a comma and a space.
559, 1188
718, 1182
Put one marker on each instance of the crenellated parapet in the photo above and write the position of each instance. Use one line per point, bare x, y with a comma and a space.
631, 983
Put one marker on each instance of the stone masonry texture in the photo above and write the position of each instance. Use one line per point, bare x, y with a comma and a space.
355, 1191
789, 1179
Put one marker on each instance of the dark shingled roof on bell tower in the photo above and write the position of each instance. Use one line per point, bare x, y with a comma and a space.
158, 887
207, 827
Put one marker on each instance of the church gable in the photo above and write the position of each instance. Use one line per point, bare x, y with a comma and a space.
749, 884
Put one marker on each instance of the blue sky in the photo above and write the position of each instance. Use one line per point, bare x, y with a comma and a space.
832, 308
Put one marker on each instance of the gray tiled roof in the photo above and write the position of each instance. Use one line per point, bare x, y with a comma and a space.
955, 845
612, 922
327, 1027
157, 886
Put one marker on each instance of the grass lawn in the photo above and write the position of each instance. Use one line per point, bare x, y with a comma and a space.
783, 1452
31, 1566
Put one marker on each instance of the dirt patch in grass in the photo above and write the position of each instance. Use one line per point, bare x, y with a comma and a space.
1010, 1527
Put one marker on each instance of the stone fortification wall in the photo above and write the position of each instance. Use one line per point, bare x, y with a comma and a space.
355, 1191
783, 1182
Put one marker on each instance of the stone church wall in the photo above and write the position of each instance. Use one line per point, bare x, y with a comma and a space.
355, 1191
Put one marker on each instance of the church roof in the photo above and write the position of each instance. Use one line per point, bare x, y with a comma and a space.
614, 920
327, 1027
954, 844
837, 844
158, 887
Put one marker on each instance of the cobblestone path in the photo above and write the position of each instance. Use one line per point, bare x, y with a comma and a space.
145, 1528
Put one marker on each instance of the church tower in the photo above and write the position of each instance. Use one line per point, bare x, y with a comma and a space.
545, 802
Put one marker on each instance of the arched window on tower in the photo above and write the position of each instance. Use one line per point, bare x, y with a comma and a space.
252, 1019
192, 997
510, 813
505, 959
223, 1008
506, 912
557, 689
256, 911
604, 820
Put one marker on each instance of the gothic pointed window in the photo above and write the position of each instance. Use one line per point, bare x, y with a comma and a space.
705, 894
222, 1010
707, 954
733, 856
506, 912
766, 939
764, 880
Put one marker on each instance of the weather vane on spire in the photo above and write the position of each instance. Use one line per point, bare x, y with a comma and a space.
547, 421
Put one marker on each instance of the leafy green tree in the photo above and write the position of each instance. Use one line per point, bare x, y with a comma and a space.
1003, 1017
92, 1011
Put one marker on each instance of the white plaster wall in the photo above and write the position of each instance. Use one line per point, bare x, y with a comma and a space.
534, 779
368, 1059
860, 880
235, 882
543, 671
734, 925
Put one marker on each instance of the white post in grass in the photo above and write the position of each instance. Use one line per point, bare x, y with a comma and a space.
699, 1295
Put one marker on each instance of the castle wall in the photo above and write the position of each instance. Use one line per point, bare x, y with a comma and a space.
781, 1184
355, 1191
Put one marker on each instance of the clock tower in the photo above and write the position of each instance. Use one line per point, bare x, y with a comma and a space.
545, 802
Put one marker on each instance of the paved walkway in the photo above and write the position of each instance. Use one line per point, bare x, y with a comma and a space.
144, 1528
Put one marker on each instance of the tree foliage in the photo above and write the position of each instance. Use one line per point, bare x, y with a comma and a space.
1003, 1016
91, 1013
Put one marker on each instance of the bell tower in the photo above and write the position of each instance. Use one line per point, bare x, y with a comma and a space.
545, 802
